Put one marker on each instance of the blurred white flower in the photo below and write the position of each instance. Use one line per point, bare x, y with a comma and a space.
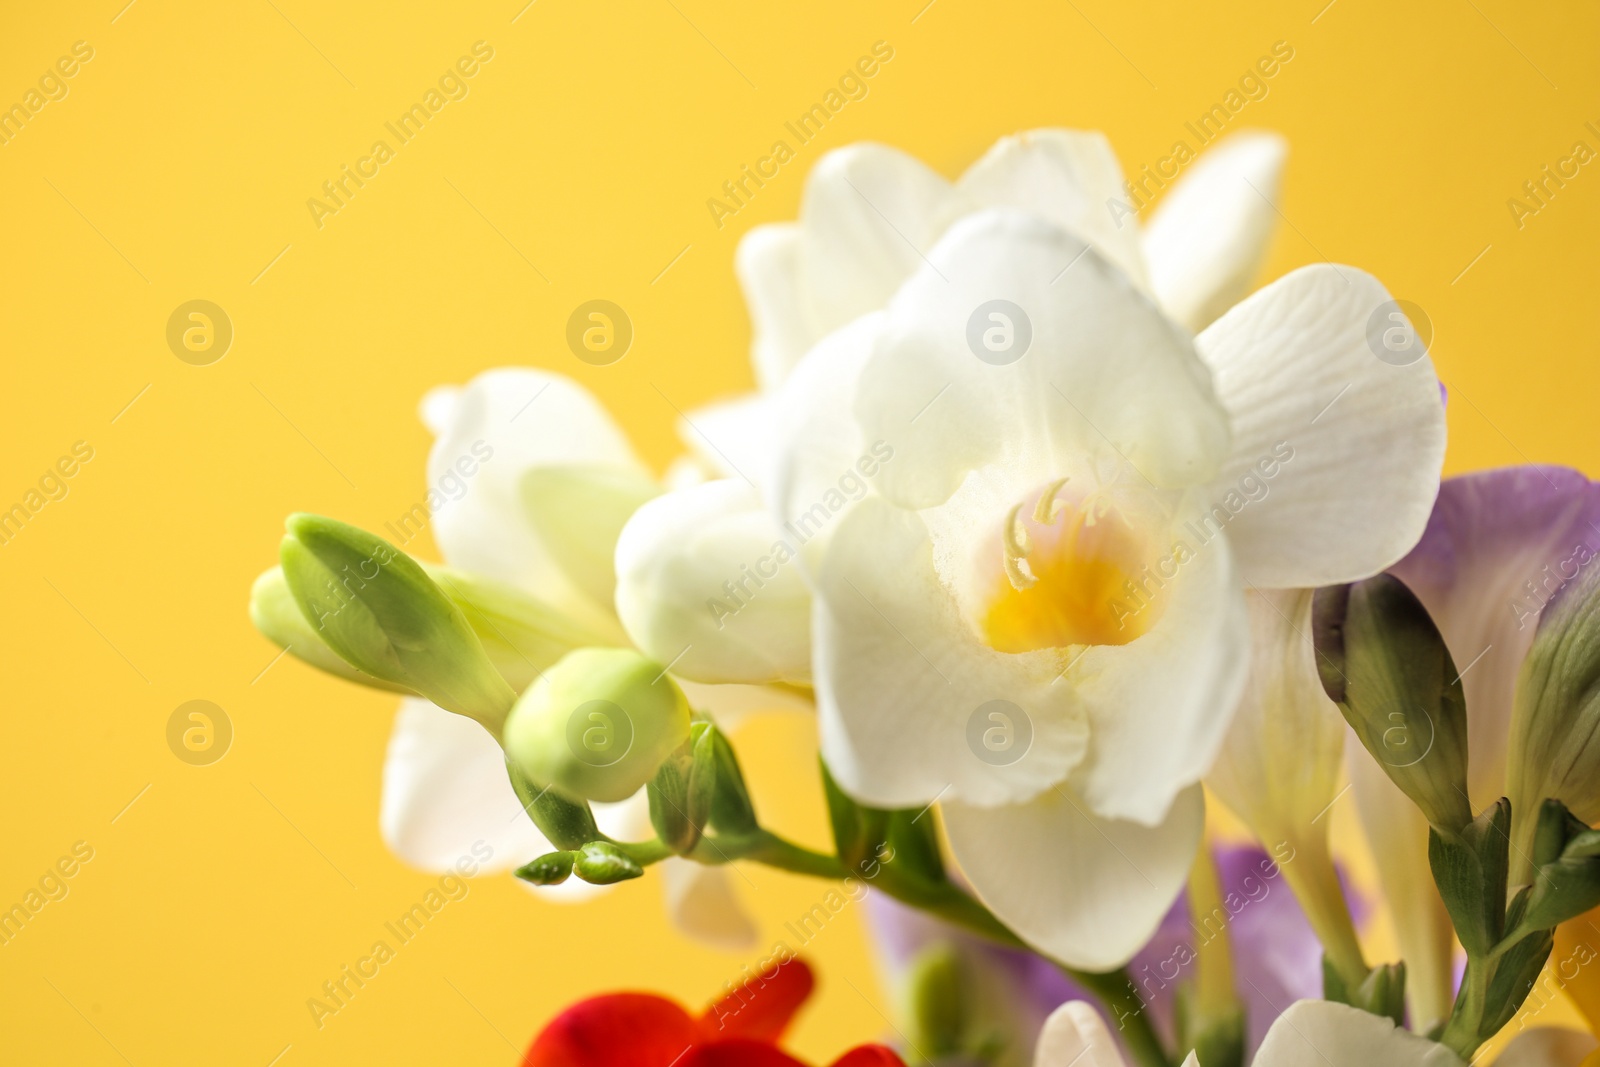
553, 479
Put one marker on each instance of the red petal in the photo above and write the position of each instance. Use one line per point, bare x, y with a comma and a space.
739, 1052
616, 1030
870, 1056
761, 1008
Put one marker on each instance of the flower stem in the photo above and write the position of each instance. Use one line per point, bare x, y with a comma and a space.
949, 902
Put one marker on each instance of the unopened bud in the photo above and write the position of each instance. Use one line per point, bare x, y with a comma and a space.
1554, 749
598, 724
1381, 659
374, 606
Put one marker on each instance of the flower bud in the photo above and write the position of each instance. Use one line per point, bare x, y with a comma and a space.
374, 606
707, 581
598, 724
602, 863
1554, 751
1381, 659
680, 794
552, 868
274, 612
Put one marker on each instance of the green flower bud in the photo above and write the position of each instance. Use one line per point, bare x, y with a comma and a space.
602, 863
681, 792
374, 606
274, 612
1554, 748
598, 724
1381, 659
552, 868
1566, 880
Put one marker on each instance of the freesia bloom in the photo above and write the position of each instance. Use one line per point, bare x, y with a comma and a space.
1036, 616
1309, 1033
741, 1029
704, 573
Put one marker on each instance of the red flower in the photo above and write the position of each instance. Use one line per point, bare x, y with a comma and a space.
645, 1030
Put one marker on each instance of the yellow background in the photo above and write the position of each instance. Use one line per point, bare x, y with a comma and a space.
179, 166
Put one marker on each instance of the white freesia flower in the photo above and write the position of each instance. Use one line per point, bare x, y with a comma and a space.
532, 482
1037, 616
1310, 1033
867, 211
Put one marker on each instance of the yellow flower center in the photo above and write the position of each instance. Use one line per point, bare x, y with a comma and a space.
1073, 573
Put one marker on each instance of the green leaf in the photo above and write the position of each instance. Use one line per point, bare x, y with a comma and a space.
1515, 972
1470, 869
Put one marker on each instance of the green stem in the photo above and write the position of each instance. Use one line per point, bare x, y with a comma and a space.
1460, 1034
1117, 994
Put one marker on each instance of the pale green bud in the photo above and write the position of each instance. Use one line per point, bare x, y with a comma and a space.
598, 724
1554, 750
274, 612
374, 606
1382, 660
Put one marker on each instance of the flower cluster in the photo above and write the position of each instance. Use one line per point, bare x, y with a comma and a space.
1052, 524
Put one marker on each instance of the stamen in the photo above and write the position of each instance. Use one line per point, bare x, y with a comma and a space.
1045, 512
1015, 547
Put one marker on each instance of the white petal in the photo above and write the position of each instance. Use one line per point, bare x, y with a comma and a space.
768, 266
905, 689
1068, 177
1336, 453
1159, 706
707, 584
1084, 890
822, 456
445, 789
510, 422
1398, 836
1320, 1033
733, 437
1104, 373
1547, 1046
702, 903
1279, 766
1076, 1036
868, 216
578, 511
1208, 237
